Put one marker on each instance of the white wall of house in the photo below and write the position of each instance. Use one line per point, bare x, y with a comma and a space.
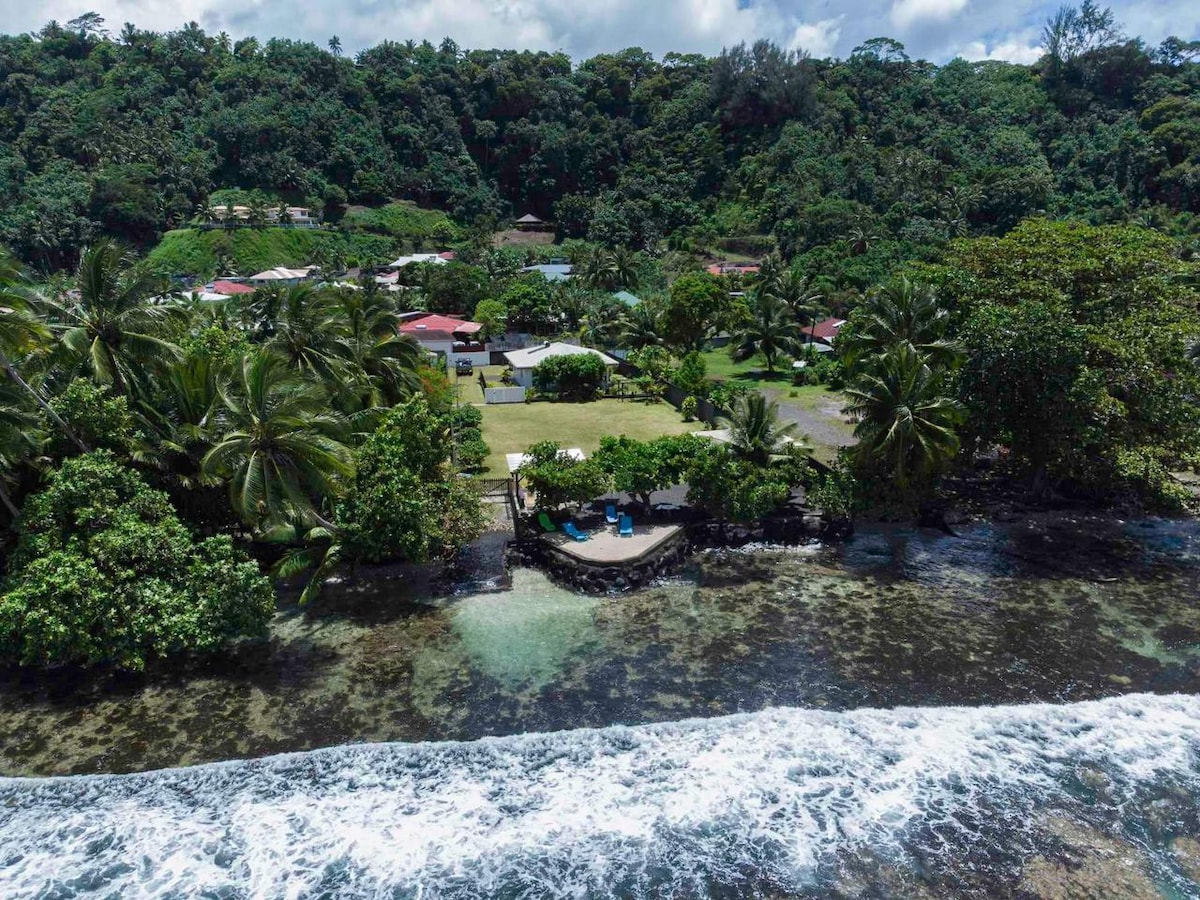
442, 347
523, 377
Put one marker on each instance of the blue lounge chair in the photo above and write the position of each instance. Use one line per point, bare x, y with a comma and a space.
574, 532
610, 513
626, 526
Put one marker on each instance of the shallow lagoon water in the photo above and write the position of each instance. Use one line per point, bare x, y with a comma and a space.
728, 733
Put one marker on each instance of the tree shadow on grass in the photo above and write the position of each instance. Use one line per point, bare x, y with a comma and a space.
762, 375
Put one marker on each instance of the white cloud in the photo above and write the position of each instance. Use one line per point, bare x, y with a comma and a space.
820, 39
1009, 50
906, 13
932, 29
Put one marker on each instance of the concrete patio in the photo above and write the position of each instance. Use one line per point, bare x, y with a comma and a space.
605, 547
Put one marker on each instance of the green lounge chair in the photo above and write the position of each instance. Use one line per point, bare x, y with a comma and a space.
544, 521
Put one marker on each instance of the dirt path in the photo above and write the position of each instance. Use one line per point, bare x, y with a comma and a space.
819, 418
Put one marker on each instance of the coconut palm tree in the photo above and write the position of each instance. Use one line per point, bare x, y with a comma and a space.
600, 271
310, 334
257, 214
901, 313
386, 361
905, 422
21, 331
111, 326
180, 422
770, 273
771, 330
19, 439
281, 452
860, 238
755, 429
625, 268
205, 213
643, 327
802, 298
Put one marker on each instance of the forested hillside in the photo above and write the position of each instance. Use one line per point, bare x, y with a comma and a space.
852, 164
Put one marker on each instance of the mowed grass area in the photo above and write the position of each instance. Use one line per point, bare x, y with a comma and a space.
815, 409
514, 427
751, 372
469, 390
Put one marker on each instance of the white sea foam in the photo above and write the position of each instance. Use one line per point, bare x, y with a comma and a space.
625, 811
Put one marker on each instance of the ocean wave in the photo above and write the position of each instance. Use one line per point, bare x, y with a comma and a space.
768, 798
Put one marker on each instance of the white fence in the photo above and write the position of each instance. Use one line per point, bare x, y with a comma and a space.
504, 395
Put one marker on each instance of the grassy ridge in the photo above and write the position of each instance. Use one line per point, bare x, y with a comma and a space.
363, 237
191, 251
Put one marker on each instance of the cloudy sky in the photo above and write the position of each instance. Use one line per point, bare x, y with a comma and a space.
933, 29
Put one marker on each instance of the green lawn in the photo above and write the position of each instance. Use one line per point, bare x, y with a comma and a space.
469, 390
514, 427
814, 408
752, 372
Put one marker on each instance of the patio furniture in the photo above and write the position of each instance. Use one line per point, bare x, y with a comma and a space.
570, 529
610, 513
626, 528
544, 521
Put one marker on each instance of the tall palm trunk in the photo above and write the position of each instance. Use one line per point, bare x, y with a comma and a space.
7, 501
11, 371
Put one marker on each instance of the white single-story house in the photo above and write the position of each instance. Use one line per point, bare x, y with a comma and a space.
523, 362
281, 275
449, 336
552, 271
437, 259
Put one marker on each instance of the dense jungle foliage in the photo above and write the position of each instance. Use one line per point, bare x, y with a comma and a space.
850, 164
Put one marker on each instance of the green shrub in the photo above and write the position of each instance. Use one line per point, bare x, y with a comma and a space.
106, 573
575, 377
557, 478
688, 408
406, 503
101, 420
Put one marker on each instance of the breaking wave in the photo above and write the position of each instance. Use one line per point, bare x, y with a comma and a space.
763, 801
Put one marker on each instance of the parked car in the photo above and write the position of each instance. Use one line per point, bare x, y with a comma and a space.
463, 367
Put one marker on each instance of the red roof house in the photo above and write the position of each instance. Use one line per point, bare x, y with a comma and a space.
437, 328
825, 330
231, 287
732, 269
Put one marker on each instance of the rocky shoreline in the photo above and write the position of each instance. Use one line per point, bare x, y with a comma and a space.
789, 528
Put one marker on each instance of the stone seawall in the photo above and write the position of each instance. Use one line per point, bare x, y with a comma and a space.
596, 578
